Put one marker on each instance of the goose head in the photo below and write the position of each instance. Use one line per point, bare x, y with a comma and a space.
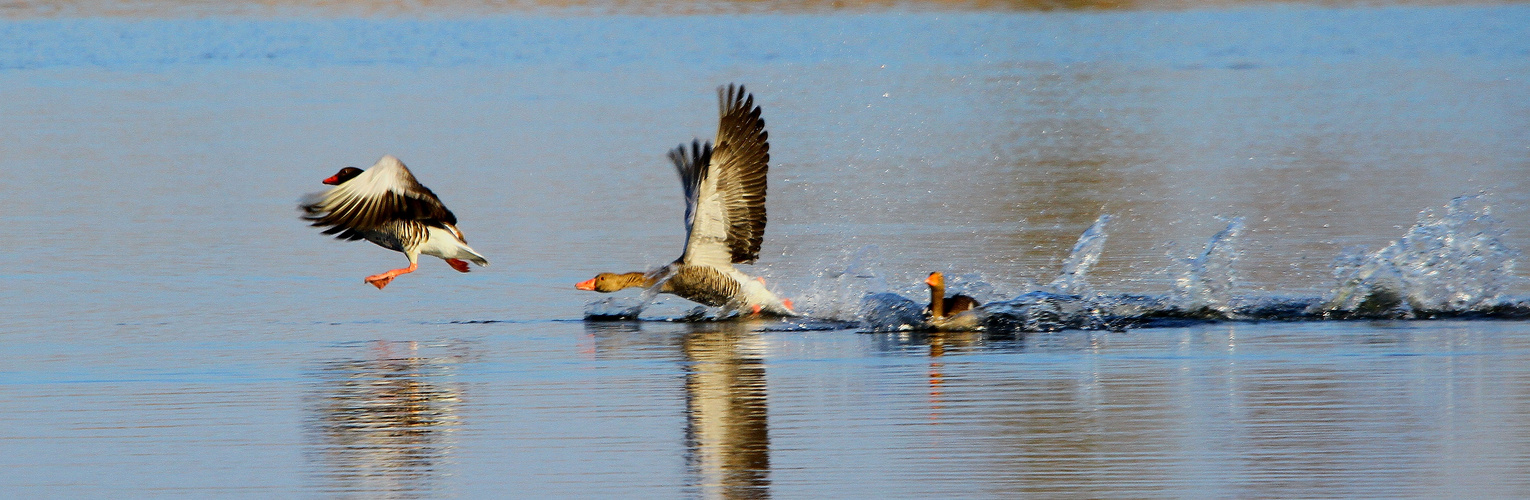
343, 175
610, 282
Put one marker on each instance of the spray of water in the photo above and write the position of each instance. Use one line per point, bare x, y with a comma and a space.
837, 291
1450, 262
1074, 276
1066, 302
1203, 284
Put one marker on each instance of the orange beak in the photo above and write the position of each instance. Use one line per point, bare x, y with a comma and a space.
588, 285
935, 279
333, 180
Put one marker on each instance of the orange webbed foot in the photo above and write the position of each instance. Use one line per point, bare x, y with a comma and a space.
379, 281
757, 308
760, 279
789, 306
460, 265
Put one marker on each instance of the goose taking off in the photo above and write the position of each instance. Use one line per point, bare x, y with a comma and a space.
387, 206
724, 190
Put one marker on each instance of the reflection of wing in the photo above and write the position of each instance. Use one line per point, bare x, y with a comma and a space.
725, 186
727, 413
382, 426
385, 192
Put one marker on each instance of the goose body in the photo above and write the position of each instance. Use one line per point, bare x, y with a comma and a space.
724, 189
951, 314
386, 205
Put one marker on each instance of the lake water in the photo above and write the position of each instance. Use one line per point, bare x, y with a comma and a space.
175, 331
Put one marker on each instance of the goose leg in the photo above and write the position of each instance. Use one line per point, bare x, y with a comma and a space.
382, 280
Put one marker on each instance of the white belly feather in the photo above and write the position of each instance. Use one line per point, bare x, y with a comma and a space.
447, 244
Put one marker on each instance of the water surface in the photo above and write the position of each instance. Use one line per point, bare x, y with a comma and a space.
175, 330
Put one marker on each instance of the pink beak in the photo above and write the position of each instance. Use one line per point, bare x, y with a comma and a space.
588, 284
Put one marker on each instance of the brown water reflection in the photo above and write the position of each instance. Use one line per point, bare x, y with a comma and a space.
1070, 163
1227, 411
727, 420
381, 426
727, 423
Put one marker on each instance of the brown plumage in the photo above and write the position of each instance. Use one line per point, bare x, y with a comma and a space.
741, 162
946, 313
353, 214
700, 284
387, 206
724, 189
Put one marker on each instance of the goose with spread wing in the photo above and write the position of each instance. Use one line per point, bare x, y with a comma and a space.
387, 206
724, 189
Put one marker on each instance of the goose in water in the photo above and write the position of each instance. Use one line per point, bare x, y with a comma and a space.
724, 190
387, 206
954, 313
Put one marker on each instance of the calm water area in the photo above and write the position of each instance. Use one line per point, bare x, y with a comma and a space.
173, 329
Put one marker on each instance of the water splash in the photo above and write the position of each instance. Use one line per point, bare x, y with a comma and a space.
615, 308
890, 312
838, 290
1449, 262
1452, 263
1075, 270
1203, 284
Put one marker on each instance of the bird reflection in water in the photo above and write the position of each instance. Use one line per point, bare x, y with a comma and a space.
726, 426
727, 430
939, 342
380, 425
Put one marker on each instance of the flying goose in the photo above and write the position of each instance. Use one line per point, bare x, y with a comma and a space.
387, 206
724, 190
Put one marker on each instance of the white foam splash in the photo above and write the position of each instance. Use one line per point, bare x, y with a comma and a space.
837, 292
1075, 271
1205, 282
615, 308
1450, 262
890, 312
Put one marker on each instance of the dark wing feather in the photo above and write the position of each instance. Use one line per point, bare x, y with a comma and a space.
959, 304
692, 169
384, 193
741, 161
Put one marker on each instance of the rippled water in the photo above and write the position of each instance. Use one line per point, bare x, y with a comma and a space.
175, 330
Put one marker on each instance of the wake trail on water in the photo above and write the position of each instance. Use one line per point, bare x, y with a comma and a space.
1452, 263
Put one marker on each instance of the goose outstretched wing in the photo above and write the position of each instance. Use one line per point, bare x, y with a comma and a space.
725, 185
386, 192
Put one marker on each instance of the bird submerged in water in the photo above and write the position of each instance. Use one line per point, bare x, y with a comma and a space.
387, 206
724, 217
954, 313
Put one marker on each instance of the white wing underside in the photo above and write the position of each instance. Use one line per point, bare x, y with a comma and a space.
387, 176
381, 195
708, 244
